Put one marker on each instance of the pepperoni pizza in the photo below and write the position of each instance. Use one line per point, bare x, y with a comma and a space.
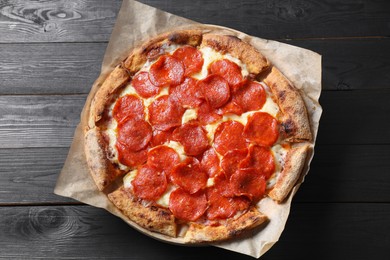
191, 131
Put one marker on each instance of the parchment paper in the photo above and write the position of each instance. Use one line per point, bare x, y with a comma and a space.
137, 22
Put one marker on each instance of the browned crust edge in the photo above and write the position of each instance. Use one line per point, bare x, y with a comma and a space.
152, 48
294, 163
295, 121
234, 227
256, 63
98, 163
151, 218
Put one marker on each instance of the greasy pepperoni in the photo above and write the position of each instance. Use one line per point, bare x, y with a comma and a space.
210, 162
229, 70
193, 138
163, 158
143, 86
165, 113
134, 134
129, 158
186, 94
191, 58
189, 176
261, 159
160, 137
207, 115
167, 70
215, 89
149, 183
221, 207
250, 97
222, 185
187, 207
128, 107
231, 107
228, 136
232, 159
262, 129
247, 182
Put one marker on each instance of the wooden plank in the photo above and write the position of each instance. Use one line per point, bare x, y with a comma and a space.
349, 117
337, 174
65, 68
288, 19
84, 232
39, 121
60, 68
57, 20
31, 175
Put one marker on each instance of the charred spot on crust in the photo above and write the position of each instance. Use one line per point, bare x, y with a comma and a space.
234, 233
153, 208
288, 126
282, 95
164, 213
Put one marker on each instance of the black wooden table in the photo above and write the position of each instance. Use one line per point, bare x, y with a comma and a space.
50, 54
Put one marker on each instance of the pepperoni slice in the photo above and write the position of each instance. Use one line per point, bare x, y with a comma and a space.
229, 70
228, 136
222, 185
262, 129
210, 162
160, 137
215, 89
149, 183
128, 107
143, 86
207, 115
261, 159
193, 138
250, 97
129, 158
186, 94
189, 176
191, 58
134, 134
163, 158
167, 70
247, 182
188, 207
231, 160
231, 107
165, 113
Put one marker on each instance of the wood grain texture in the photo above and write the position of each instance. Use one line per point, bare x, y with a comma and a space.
278, 19
57, 20
72, 68
49, 68
31, 174
84, 232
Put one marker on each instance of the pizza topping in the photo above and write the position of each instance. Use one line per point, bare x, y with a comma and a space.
261, 159
231, 160
129, 158
186, 206
228, 70
250, 97
215, 89
134, 134
207, 115
128, 107
161, 137
228, 136
149, 183
189, 176
165, 113
163, 158
191, 58
249, 183
193, 138
143, 86
210, 162
186, 94
262, 129
166, 71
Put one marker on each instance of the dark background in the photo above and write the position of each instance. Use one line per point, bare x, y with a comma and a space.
50, 54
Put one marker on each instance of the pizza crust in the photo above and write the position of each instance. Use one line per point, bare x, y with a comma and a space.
288, 177
151, 217
295, 121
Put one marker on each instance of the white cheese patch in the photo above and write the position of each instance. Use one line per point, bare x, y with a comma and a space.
210, 182
129, 177
189, 115
178, 148
280, 155
164, 199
